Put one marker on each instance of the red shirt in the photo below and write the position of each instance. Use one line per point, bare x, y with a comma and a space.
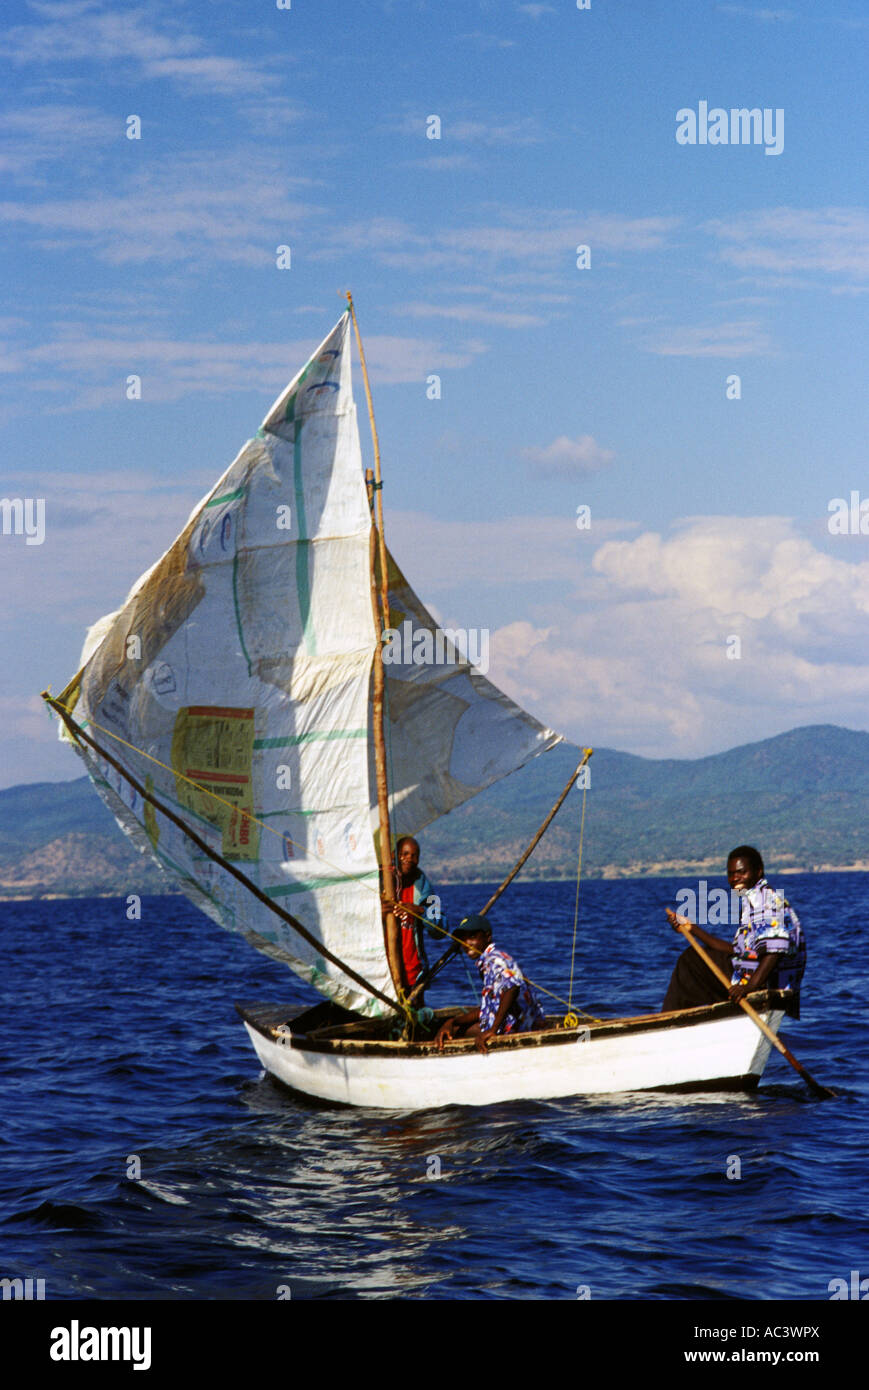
409, 953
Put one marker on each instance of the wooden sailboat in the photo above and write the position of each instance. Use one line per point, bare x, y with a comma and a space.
235, 713
706, 1049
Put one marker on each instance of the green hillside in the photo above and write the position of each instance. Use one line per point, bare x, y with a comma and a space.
802, 798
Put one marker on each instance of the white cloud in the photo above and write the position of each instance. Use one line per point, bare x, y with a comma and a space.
91, 371
524, 131
556, 232
155, 45
536, 240
653, 665
24, 717
633, 653
787, 241
495, 129
231, 207
766, 16
564, 455
439, 555
443, 161
737, 338
101, 532
758, 568
474, 313
34, 135
488, 40
229, 76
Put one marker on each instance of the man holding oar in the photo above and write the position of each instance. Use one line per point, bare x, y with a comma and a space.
768, 950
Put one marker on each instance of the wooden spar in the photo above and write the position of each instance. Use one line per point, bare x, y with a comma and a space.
539, 836
433, 970
391, 929
380, 608
810, 1081
78, 734
378, 481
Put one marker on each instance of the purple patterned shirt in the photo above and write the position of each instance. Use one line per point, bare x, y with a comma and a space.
768, 923
500, 972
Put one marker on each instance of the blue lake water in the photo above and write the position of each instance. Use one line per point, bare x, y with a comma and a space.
119, 1039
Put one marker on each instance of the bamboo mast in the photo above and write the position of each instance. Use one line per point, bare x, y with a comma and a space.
380, 609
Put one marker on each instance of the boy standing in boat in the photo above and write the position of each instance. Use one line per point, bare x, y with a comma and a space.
415, 890
768, 950
508, 1004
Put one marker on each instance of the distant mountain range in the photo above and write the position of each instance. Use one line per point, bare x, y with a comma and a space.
802, 798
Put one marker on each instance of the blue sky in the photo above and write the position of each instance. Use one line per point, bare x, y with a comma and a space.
560, 386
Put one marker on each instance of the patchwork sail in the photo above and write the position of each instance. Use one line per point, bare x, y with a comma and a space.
234, 686
240, 665
453, 733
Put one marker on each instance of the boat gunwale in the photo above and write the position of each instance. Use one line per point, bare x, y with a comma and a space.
338, 1041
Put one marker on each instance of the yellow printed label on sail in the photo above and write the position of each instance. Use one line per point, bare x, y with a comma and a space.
212, 745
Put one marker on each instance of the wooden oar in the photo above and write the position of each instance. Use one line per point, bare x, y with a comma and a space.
755, 1017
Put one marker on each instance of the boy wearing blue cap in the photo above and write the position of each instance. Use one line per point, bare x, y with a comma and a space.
508, 1004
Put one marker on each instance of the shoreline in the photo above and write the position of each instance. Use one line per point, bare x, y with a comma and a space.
609, 873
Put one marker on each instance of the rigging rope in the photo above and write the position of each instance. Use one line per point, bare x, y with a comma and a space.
570, 1018
78, 732
182, 777
91, 723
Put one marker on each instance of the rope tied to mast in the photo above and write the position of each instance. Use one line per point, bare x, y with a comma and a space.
570, 1018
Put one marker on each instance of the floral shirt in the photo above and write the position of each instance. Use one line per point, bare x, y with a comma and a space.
768, 923
500, 972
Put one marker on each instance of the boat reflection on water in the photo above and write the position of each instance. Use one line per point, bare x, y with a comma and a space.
344, 1197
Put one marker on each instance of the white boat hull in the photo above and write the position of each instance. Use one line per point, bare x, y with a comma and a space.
722, 1049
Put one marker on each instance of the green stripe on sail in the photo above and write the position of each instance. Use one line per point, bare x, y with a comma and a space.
225, 497
238, 615
314, 736
290, 407
303, 578
310, 885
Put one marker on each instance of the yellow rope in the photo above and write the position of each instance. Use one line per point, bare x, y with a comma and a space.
571, 1020
444, 931
91, 723
406, 907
